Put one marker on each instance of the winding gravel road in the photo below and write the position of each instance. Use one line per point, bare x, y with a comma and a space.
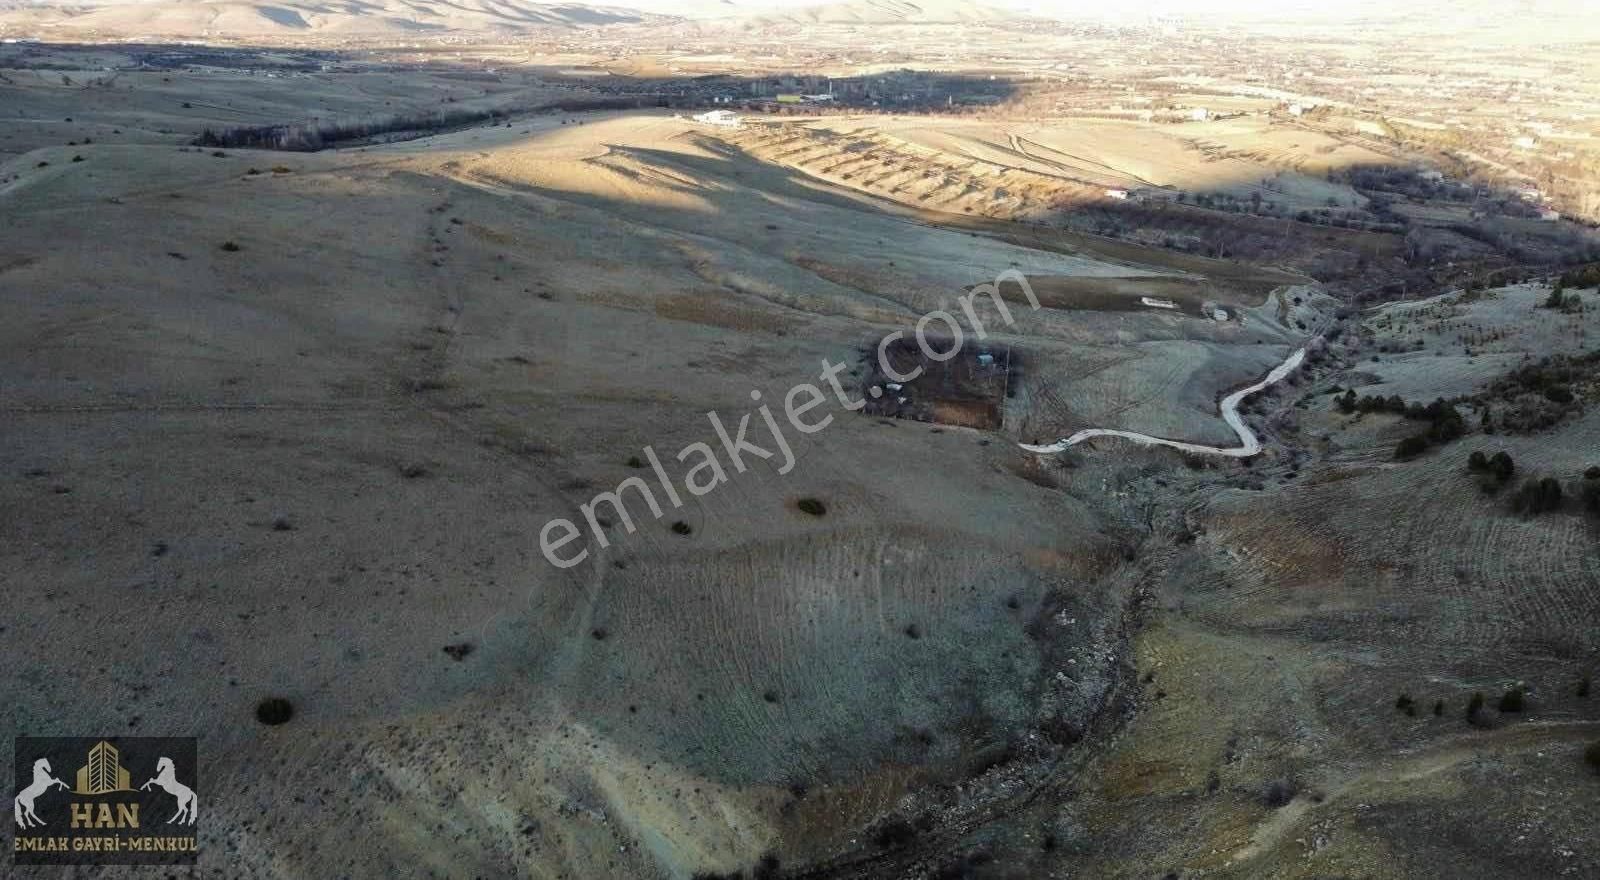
1230, 414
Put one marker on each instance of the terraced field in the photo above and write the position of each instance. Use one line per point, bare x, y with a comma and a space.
877, 162
1029, 170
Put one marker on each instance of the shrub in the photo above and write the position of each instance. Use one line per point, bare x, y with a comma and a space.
1592, 755
1583, 687
766, 868
1475, 705
230, 246
682, 528
1537, 496
894, 834
1592, 473
635, 461
1411, 447
1513, 700
1477, 461
1502, 466
811, 506
458, 652
1445, 422
274, 711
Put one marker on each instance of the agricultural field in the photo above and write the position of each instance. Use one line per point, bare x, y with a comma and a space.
1176, 494
459, 393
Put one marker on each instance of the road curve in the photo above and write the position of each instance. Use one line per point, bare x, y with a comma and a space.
1230, 414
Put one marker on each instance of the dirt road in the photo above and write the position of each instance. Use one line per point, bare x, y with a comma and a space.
1230, 414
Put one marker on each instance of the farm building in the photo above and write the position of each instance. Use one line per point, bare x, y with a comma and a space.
725, 118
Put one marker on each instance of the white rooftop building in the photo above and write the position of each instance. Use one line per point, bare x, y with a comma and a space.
725, 118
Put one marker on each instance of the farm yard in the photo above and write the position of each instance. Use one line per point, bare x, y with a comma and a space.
969, 389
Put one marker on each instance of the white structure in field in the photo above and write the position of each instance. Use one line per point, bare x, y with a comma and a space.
1120, 195
725, 118
1199, 114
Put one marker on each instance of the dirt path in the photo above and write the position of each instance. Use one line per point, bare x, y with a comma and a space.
1250, 443
1410, 768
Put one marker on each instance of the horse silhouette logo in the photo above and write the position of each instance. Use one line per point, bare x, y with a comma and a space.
167, 778
42, 782
78, 800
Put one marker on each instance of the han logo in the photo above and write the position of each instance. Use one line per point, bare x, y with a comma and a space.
100, 817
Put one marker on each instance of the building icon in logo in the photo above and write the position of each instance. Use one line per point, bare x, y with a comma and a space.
104, 772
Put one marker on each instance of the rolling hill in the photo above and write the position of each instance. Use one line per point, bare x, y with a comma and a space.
886, 12
201, 18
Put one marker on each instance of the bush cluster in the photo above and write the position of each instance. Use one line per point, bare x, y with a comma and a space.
1445, 422
1537, 496
310, 137
1501, 468
1586, 276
